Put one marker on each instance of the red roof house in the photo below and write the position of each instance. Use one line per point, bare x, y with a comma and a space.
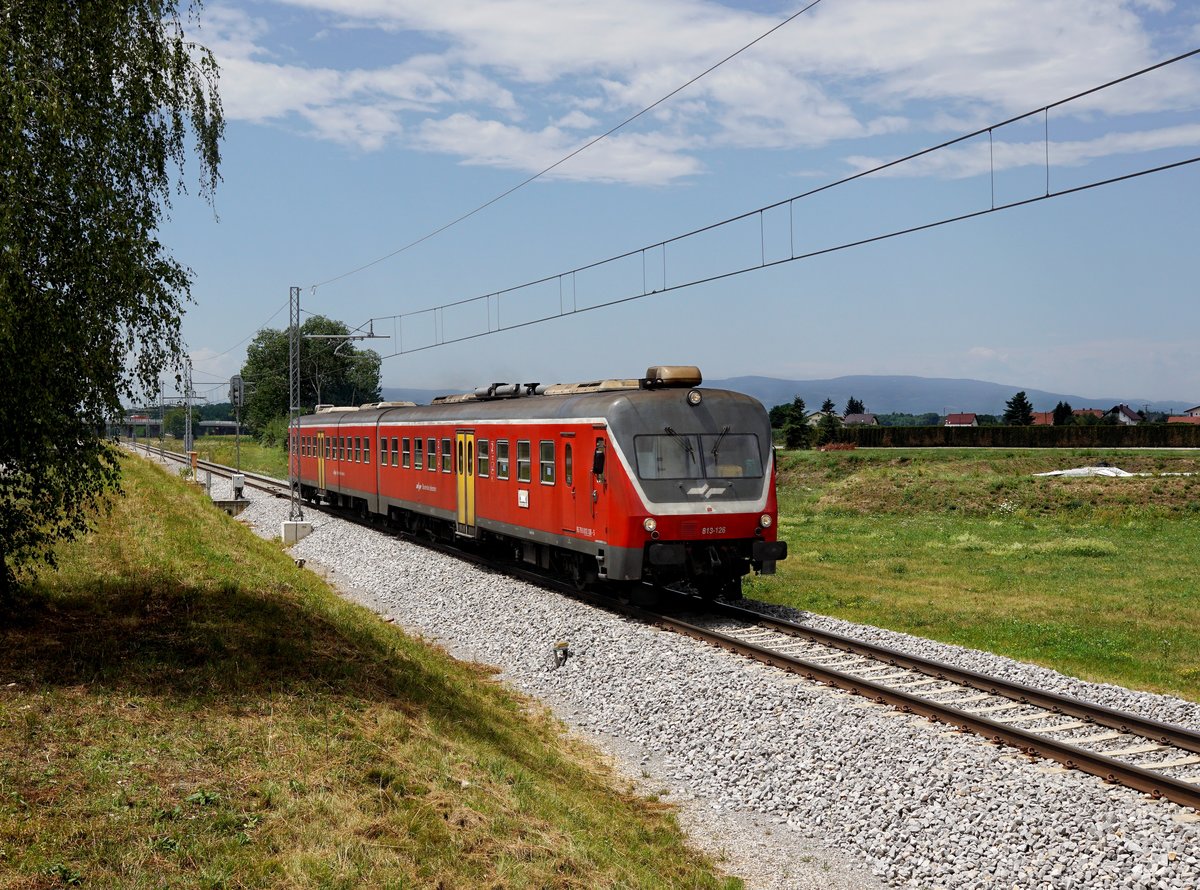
962, 420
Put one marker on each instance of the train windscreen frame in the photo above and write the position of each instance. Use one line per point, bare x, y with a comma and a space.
698, 456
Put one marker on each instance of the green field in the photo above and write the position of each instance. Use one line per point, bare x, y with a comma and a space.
180, 706
255, 458
1096, 577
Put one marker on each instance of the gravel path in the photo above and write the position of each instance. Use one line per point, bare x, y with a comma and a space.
790, 784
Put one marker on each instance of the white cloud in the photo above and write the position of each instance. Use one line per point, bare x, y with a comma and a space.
633, 158
576, 120
979, 157
845, 71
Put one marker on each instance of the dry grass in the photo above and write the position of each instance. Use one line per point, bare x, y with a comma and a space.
180, 706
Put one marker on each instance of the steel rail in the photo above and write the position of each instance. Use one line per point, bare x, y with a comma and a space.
1156, 784
1166, 733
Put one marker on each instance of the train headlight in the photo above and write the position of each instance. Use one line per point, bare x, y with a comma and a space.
765, 520
650, 523
694, 398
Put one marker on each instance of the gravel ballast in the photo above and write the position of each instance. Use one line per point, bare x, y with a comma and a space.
788, 783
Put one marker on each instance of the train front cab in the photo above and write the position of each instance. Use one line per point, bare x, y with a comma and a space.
701, 497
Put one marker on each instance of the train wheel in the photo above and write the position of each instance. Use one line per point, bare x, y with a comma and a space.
583, 572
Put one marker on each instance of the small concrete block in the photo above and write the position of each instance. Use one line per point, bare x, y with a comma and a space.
296, 531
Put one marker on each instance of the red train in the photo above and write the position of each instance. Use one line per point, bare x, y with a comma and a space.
645, 479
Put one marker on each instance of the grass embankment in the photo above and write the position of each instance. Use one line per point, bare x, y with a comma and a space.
181, 706
1096, 577
270, 460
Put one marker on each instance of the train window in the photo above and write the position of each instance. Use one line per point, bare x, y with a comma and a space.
446, 468
358, 449
731, 455
502, 459
395, 452
418, 458
366, 449
406, 453
341, 447
481, 453
383, 450
460, 463
431, 449
667, 457
546, 460
523, 461
568, 465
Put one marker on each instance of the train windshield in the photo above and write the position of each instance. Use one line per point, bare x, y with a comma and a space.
689, 456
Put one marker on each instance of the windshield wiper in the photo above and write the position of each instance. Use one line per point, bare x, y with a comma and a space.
717, 444
683, 441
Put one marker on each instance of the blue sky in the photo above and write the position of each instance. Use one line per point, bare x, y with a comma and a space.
357, 126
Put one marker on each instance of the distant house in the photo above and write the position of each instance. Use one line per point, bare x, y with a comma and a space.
1192, 412
1088, 412
817, 416
1043, 418
1125, 415
962, 420
1185, 418
860, 420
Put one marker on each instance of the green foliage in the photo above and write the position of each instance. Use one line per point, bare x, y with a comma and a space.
102, 104
332, 372
274, 432
827, 406
797, 434
828, 428
220, 411
792, 418
1018, 411
176, 419
854, 406
1063, 414
931, 418
1081, 435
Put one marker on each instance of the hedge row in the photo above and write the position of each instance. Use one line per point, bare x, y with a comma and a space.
1160, 435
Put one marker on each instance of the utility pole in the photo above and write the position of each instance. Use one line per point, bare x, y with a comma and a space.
162, 420
295, 512
237, 395
187, 407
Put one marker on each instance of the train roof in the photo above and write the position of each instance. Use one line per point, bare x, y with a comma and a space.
608, 399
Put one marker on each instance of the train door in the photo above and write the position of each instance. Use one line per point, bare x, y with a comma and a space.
321, 459
574, 488
593, 477
464, 470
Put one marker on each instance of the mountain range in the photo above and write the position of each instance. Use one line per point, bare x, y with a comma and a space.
890, 394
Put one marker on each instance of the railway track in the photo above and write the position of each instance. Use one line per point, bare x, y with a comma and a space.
1159, 759
1156, 758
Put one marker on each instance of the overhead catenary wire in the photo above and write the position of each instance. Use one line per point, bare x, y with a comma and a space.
252, 334
565, 158
440, 339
